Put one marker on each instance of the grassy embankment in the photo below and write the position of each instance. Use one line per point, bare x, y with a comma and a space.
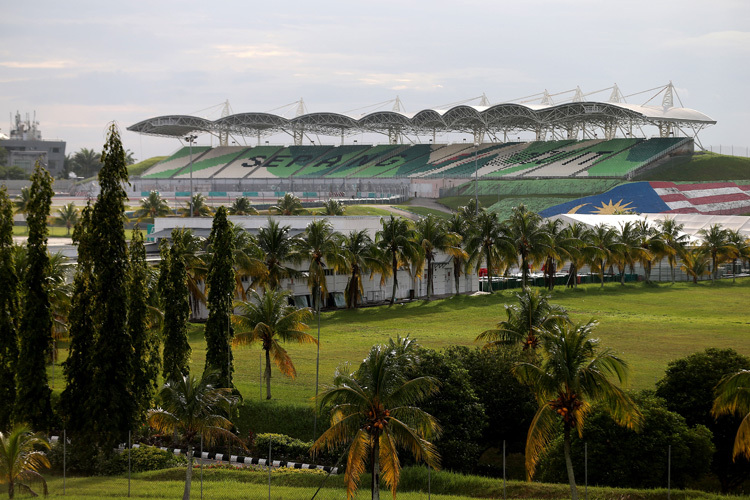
232, 484
648, 325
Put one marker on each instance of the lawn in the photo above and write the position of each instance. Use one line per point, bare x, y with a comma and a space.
703, 167
648, 325
62, 232
423, 211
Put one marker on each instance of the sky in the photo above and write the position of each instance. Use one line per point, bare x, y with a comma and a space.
80, 65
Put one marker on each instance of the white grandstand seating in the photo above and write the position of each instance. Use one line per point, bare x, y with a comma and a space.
178, 161
562, 167
499, 163
468, 157
205, 168
237, 169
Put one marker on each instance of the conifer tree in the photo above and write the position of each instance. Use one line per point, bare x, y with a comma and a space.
112, 399
74, 401
176, 313
9, 307
145, 341
35, 331
221, 287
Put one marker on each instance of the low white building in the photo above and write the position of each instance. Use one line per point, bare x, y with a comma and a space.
409, 287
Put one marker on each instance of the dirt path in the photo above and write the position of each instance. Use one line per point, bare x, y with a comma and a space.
398, 211
429, 203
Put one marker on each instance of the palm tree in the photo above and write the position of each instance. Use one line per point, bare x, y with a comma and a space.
242, 206
489, 241
526, 321
277, 248
716, 242
190, 250
733, 398
359, 255
561, 247
433, 236
288, 205
333, 207
397, 241
200, 208
375, 412
653, 246
21, 459
582, 235
740, 248
249, 260
630, 249
86, 162
529, 238
68, 215
603, 247
319, 246
571, 377
22, 204
269, 319
671, 233
459, 225
695, 263
153, 206
194, 408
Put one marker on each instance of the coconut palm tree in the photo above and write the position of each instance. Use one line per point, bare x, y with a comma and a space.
459, 225
572, 375
319, 247
695, 263
288, 205
333, 207
561, 247
270, 320
190, 250
277, 248
200, 208
68, 215
733, 398
359, 255
489, 241
671, 233
603, 248
22, 203
630, 250
21, 459
249, 260
153, 206
653, 246
194, 408
86, 162
242, 206
397, 241
578, 255
374, 411
716, 242
528, 319
740, 248
529, 238
433, 236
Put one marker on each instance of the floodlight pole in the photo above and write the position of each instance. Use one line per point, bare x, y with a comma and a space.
190, 140
476, 179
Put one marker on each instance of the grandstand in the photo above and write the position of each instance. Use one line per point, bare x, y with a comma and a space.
573, 139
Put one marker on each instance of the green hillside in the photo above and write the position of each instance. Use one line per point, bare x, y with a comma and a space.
700, 167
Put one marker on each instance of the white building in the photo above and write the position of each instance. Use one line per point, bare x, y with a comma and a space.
409, 286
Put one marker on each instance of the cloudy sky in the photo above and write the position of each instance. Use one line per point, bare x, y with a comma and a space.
81, 64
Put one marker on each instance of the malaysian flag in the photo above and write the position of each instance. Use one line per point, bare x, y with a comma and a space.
717, 198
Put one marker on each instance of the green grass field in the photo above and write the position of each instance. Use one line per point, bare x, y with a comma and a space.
136, 169
702, 167
648, 325
243, 484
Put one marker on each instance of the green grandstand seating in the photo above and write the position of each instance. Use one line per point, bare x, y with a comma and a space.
366, 159
574, 160
170, 166
289, 160
247, 162
211, 162
333, 159
399, 163
635, 157
466, 163
535, 150
438, 158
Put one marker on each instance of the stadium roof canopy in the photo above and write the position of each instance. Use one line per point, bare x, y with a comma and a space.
565, 120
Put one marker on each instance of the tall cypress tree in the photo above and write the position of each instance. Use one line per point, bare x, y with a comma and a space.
221, 284
175, 292
35, 331
112, 399
74, 401
9, 307
145, 342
